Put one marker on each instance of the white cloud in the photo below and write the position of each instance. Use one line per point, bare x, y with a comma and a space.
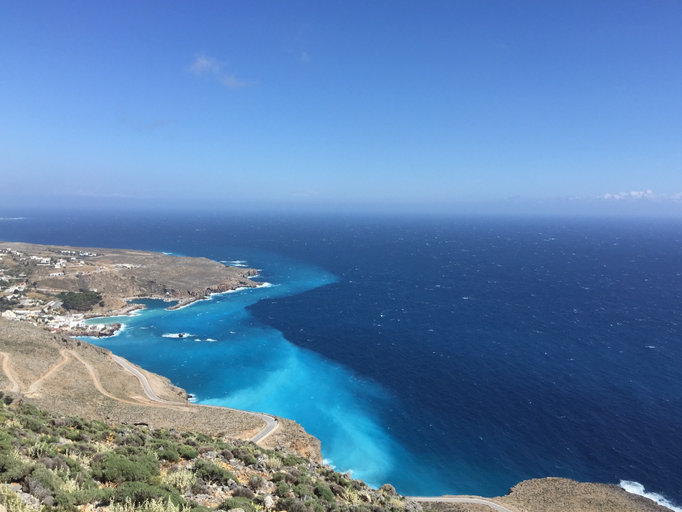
233, 82
635, 194
640, 195
205, 64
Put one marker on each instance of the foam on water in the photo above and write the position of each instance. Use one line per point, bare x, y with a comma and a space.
637, 488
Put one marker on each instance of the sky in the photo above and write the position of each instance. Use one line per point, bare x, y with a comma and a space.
342, 104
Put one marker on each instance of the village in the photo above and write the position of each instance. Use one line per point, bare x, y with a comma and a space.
22, 300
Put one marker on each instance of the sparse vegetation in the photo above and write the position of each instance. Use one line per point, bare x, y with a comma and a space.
59, 464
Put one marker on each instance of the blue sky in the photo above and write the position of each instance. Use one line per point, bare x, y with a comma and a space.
347, 104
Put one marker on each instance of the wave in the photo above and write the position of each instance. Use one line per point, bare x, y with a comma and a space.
178, 335
235, 263
637, 488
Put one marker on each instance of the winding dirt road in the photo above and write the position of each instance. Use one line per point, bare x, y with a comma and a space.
8, 373
479, 501
34, 387
271, 422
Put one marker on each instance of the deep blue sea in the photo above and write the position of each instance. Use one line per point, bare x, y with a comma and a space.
441, 354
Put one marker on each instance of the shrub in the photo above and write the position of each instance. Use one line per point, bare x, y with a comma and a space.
139, 492
278, 477
292, 460
181, 480
244, 456
324, 492
243, 503
116, 468
282, 490
188, 452
47, 478
13, 470
208, 471
243, 492
170, 454
12, 501
255, 482
303, 491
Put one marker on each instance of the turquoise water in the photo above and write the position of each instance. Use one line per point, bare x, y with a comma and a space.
440, 354
227, 357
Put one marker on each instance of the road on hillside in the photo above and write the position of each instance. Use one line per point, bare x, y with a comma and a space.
271, 422
478, 501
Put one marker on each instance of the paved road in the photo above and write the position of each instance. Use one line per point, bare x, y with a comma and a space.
271, 422
478, 501
143, 380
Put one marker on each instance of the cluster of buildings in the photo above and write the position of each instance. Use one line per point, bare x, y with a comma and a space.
16, 305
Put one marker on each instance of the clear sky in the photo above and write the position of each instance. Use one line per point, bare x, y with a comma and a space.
348, 104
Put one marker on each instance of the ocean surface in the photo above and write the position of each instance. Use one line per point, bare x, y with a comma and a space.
440, 354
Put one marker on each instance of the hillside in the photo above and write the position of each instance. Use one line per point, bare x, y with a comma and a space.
68, 376
64, 463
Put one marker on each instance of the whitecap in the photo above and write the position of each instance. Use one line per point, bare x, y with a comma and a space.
178, 335
637, 488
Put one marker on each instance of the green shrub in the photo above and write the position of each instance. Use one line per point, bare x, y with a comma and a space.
188, 452
117, 468
282, 490
244, 456
303, 491
46, 477
243, 503
170, 454
292, 460
139, 492
13, 470
324, 492
279, 477
5, 442
210, 472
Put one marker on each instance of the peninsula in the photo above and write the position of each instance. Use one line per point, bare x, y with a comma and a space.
58, 287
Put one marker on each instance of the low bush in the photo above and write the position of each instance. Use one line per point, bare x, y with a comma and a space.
324, 492
139, 492
303, 491
243, 503
116, 468
210, 472
170, 454
188, 452
292, 460
282, 490
13, 470
243, 492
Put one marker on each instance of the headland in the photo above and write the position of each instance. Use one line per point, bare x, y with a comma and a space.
59, 287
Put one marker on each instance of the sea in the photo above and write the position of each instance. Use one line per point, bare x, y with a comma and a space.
442, 354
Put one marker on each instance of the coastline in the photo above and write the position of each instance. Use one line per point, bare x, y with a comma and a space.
132, 311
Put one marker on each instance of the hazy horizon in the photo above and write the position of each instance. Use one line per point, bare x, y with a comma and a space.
531, 107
